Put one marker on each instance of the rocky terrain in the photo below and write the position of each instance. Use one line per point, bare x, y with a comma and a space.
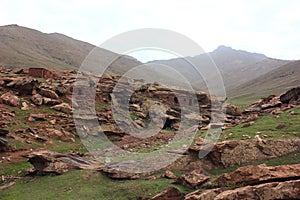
39, 138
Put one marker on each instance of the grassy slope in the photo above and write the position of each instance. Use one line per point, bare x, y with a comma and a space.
93, 185
273, 82
83, 185
267, 125
25, 47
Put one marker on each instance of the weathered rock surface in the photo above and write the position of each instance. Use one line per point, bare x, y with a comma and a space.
37, 117
170, 175
205, 194
49, 162
171, 193
51, 102
268, 191
10, 99
25, 106
236, 152
24, 84
233, 110
3, 144
193, 179
48, 93
253, 175
291, 96
63, 107
37, 99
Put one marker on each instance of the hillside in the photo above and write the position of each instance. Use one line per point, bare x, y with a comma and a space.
273, 82
25, 47
236, 66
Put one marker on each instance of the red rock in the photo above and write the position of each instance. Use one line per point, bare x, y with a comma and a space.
63, 107
256, 174
10, 99
48, 93
204, 194
171, 193
37, 99
193, 179
170, 175
267, 191
233, 110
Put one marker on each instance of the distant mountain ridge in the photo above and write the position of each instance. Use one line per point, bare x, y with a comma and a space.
274, 82
244, 73
236, 66
25, 47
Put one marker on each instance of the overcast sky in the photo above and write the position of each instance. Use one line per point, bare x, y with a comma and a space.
271, 27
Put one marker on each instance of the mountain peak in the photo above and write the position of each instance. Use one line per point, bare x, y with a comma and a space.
223, 48
228, 51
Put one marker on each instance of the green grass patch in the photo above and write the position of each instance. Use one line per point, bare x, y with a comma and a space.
80, 184
267, 125
65, 147
14, 168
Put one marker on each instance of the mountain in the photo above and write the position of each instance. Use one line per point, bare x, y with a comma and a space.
25, 47
236, 66
242, 71
273, 82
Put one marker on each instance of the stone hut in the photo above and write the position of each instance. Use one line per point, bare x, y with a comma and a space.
42, 73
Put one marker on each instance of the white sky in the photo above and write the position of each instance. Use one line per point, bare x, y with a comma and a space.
271, 27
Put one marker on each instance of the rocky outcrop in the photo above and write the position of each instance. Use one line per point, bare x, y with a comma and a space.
291, 96
171, 193
49, 162
24, 85
205, 194
48, 93
193, 179
267, 191
237, 152
10, 99
253, 175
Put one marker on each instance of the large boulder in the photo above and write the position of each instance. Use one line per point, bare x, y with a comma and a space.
291, 96
194, 178
253, 175
267, 191
48, 93
37, 99
10, 99
63, 107
171, 193
233, 110
49, 162
24, 85
237, 152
